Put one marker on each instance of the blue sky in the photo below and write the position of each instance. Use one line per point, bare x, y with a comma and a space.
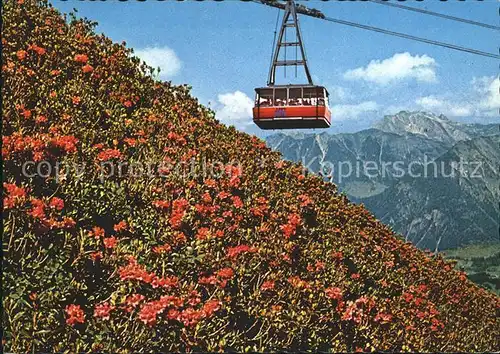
222, 49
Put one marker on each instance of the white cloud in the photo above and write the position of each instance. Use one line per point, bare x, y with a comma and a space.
446, 107
234, 108
488, 88
352, 111
401, 66
338, 93
482, 101
163, 57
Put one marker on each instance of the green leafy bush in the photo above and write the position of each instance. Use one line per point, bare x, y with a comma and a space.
258, 257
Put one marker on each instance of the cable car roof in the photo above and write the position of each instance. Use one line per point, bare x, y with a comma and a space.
291, 86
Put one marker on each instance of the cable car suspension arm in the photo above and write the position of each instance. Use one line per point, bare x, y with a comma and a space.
290, 20
318, 14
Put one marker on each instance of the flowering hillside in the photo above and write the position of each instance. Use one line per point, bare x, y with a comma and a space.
221, 246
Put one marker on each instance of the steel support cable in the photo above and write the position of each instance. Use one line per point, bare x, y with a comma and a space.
274, 40
431, 13
414, 38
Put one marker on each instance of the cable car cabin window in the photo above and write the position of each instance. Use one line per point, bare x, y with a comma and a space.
309, 96
280, 97
322, 96
265, 98
324, 99
295, 96
313, 96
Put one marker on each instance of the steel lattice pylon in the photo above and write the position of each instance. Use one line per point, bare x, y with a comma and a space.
290, 20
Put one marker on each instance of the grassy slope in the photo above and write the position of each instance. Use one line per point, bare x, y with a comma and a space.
259, 258
480, 262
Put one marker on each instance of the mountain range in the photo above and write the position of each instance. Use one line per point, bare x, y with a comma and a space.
434, 180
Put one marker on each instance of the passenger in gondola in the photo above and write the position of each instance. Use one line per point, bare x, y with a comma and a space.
265, 102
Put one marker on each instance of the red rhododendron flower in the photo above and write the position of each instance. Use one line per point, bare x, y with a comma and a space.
202, 233
130, 141
96, 256
267, 285
37, 49
26, 113
279, 164
179, 238
149, 311
88, 68
237, 202
74, 314
223, 195
134, 300
66, 143
135, 271
436, 324
190, 317
337, 256
170, 300
407, 297
233, 252
179, 207
103, 310
352, 313
162, 249
166, 282
41, 119
97, 232
161, 204
121, 226
305, 200
210, 307
68, 222
290, 228
179, 139
210, 183
56, 203
15, 195
226, 273
206, 198
109, 154
211, 280
194, 298
383, 317
110, 242
38, 210
81, 58
334, 293
173, 314
21, 54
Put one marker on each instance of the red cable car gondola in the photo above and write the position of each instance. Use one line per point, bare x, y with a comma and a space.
291, 106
